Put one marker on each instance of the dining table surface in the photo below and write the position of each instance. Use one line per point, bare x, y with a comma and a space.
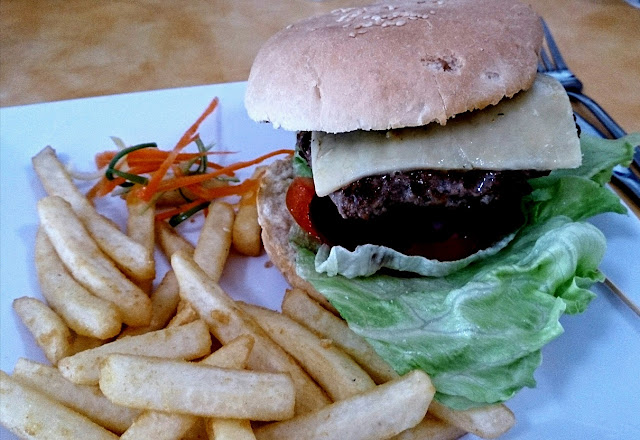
60, 50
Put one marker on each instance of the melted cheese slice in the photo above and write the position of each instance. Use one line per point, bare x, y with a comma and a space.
533, 130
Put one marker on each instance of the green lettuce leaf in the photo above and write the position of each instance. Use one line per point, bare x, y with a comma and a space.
368, 259
300, 166
580, 193
599, 156
477, 332
478, 329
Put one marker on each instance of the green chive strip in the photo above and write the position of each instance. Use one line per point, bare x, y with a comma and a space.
203, 160
204, 163
179, 218
132, 178
111, 169
227, 179
184, 196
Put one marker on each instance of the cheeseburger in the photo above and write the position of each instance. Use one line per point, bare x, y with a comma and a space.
425, 199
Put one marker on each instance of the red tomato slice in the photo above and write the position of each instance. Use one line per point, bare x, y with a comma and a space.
299, 196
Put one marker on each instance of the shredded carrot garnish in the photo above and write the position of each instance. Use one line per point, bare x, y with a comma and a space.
104, 187
103, 159
154, 182
148, 171
179, 210
150, 155
180, 182
93, 191
142, 168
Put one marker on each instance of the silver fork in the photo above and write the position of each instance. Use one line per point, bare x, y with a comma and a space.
551, 63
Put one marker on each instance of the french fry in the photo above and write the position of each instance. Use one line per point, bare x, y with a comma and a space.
164, 302
214, 243
49, 330
84, 313
229, 429
227, 321
338, 374
487, 422
130, 256
380, 413
305, 310
189, 341
233, 355
170, 241
82, 343
158, 425
141, 221
30, 414
197, 389
85, 399
140, 227
246, 229
431, 428
88, 265
198, 431
211, 252
184, 315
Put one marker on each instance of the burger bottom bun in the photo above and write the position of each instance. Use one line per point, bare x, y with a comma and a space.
276, 223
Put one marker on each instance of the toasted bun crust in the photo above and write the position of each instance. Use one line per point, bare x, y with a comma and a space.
402, 64
276, 222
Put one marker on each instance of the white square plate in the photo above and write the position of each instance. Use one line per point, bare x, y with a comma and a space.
589, 381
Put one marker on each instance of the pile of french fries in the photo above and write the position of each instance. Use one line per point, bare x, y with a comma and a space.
184, 360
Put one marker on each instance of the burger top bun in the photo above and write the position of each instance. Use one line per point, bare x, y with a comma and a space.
392, 65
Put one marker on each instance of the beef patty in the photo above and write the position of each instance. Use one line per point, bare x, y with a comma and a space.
439, 214
373, 196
